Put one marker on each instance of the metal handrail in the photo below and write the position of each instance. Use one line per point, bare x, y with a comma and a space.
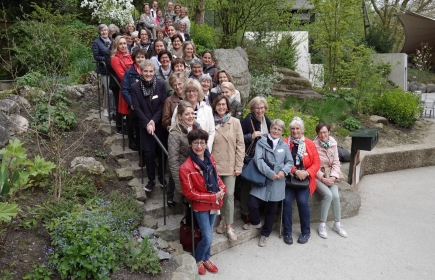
163, 175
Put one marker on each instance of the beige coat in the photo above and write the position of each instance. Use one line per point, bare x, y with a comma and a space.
229, 148
328, 158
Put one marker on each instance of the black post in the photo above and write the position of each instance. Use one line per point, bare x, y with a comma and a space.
99, 101
164, 188
107, 95
140, 150
122, 131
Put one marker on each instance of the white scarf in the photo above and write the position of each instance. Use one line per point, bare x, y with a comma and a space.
274, 141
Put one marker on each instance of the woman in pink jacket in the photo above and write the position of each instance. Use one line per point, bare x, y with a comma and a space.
326, 178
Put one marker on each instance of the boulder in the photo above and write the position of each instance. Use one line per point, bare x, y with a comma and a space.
293, 84
139, 194
4, 136
125, 173
21, 101
430, 88
105, 129
109, 141
70, 92
134, 183
235, 61
27, 91
162, 244
116, 151
149, 222
145, 232
379, 125
163, 255
378, 119
187, 268
87, 164
123, 162
9, 107
14, 124
177, 248
414, 86
165, 233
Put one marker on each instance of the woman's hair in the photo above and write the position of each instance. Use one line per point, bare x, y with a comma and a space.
189, 43
257, 101
177, 36
161, 30
181, 108
176, 61
146, 63
154, 45
161, 53
297, 121
179, 5
128, 24
196, 60
197, 134
229, 86
321, 125
176, 76
206, 77
114, 49
147, 31
206, 52
217, 100
113, 28
185, 10
134, 35
137, 52
278, 122
101, 26
230, 79
193, 84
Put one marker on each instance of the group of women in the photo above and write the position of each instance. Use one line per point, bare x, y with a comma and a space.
196, 113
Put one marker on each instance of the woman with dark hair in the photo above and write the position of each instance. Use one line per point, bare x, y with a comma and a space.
189, 53
164, 69
205, 190
223, 76
177, 65
99, 48
147, 20
209, 66
160, 19
177, 11
147, 97
178, 147
255, 124
176, 45
326, 179
306, 164
144, 41
158, 46
161, 34
176, 80
131, 76
229, 151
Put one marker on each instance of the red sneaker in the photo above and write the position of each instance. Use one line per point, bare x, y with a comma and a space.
210, 266
201, 268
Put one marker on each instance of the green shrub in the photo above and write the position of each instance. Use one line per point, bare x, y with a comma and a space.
285, 54
261, 85
142, 257
352, 124
204, 37
53, 111
401, 108
34, 79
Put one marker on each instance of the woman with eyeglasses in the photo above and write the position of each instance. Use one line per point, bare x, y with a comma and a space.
205, 190
193, 93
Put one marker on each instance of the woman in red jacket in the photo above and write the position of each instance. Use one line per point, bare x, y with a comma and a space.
205, 190
306, 164
120, 62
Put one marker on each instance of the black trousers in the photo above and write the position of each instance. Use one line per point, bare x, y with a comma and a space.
254, 204
150, 163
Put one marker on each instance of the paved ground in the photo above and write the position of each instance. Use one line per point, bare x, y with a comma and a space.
391, 238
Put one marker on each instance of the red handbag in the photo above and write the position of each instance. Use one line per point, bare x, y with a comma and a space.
186, 235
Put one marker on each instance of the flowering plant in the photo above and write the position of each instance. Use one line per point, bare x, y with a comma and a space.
422, 57
113, 11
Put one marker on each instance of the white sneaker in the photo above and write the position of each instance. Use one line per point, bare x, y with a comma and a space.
340, 230
221, 227
251, 226
262, 241
323, 231
231, 235
105, 113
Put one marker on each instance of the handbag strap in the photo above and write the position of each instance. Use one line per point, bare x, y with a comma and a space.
248, 151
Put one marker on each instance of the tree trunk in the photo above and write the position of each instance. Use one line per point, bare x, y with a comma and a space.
199, 12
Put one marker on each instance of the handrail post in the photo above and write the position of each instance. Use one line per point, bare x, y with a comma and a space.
164, 151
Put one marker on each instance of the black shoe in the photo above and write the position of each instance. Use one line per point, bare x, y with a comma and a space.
162, 182
303, 238
171, 204
119, 131
132, 146
150, 186
288, 239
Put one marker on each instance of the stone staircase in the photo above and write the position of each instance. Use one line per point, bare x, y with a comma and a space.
293, 85
152, 202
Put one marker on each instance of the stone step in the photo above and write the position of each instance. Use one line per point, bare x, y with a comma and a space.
130, 154
118, 138
154, 204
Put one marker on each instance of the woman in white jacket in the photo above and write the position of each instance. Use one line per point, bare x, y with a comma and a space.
192, 92
326, 179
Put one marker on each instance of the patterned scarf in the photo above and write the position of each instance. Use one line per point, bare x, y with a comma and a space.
148, 87
208, 171
223, 120
326, 144
146, 45
301, 149
218, 89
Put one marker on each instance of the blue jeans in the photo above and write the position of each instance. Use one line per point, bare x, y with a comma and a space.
301, 196
205, 222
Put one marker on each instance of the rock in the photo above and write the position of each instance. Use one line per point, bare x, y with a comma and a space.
14, 124
4, 136
70, 92
149, 222
145, 232
139, 193
235, 61
123, 162
165, 233
293, 84
347, 143
117, 151
162, 244
139, 240
134, 183
379, 125
125, 173
184, 275
109, 141
177, 248
105, 129
378, 119
140, 203
9, 107
87, 164
414, 86
186, 263
21, 101
163, 255
430, 88
27, 91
